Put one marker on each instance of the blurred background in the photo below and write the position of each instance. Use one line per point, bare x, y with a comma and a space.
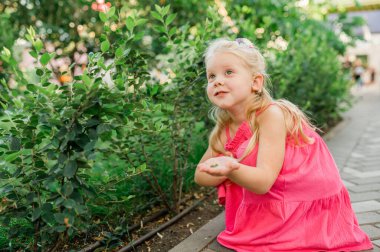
366, 51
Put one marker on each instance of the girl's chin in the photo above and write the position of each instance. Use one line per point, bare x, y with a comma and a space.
222, 105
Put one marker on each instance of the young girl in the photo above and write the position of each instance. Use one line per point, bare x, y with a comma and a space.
279, 183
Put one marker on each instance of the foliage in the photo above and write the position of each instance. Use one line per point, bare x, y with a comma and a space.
6, 35
6, 40
312, 71
52, 134
62, 22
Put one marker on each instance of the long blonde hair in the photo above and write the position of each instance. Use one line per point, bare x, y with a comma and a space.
252, 57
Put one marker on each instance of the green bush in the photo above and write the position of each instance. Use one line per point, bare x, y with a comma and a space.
310, 74
52, 135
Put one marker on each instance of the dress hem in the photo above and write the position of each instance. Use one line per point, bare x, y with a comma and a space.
367, 246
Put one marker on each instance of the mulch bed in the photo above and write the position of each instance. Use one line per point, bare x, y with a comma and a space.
183, 228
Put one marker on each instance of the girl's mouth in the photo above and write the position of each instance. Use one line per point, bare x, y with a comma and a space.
220, 92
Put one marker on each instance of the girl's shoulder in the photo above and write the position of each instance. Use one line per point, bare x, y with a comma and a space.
272, 113
283, 110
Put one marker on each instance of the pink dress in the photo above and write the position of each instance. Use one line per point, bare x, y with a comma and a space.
307, 209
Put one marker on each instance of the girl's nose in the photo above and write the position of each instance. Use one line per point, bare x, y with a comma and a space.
219, 82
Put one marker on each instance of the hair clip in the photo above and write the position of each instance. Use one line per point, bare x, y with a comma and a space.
245, 42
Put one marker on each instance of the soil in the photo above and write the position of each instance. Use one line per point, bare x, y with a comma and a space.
165, 239
180, 230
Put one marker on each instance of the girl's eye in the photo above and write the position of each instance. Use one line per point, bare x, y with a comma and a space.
211, 76
228, 72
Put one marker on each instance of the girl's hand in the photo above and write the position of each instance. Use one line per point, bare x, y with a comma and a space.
219, 166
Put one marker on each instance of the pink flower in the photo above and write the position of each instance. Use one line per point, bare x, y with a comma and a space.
101, 6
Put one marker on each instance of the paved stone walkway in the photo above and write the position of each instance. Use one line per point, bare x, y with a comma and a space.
355, 145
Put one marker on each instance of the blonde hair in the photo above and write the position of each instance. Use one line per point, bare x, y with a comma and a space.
255, 61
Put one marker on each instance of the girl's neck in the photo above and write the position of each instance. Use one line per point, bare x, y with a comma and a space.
236, 121
237, 117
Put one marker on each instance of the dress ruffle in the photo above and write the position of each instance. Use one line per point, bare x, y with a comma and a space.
243, 133
327, 224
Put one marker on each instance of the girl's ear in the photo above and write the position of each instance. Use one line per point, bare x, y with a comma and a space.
257, 83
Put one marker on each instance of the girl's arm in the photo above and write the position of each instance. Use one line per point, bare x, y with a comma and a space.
270, 156
203, 178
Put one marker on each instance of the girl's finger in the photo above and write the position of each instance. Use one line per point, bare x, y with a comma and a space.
229, 154
213, 172
202, 167
235, 166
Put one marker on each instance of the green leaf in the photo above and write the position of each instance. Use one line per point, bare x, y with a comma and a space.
86, 79
36, 214
89, 146
60, 218
139, 125
156, 16
29, 38
70, 169
158, 8
111, 11
45, 58
172, 31
170, 18
15, 144
130, 24
11, 157
39, 72
46, 208
4, 57
58, 202
163, 39
48, 217
38, 45
31, 87
31, 197
67, 189
165, 10
142, 167
5, 125
101, 128
141, 21
34, 54
6, 52
31, 31
159, 28
119, 52
80, 86
52, 186
103, 17
139, 36
105, 46
69, 203
79, 209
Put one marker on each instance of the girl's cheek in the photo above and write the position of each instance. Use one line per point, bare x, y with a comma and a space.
209, 91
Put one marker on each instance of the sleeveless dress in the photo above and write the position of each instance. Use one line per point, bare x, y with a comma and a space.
307, 209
